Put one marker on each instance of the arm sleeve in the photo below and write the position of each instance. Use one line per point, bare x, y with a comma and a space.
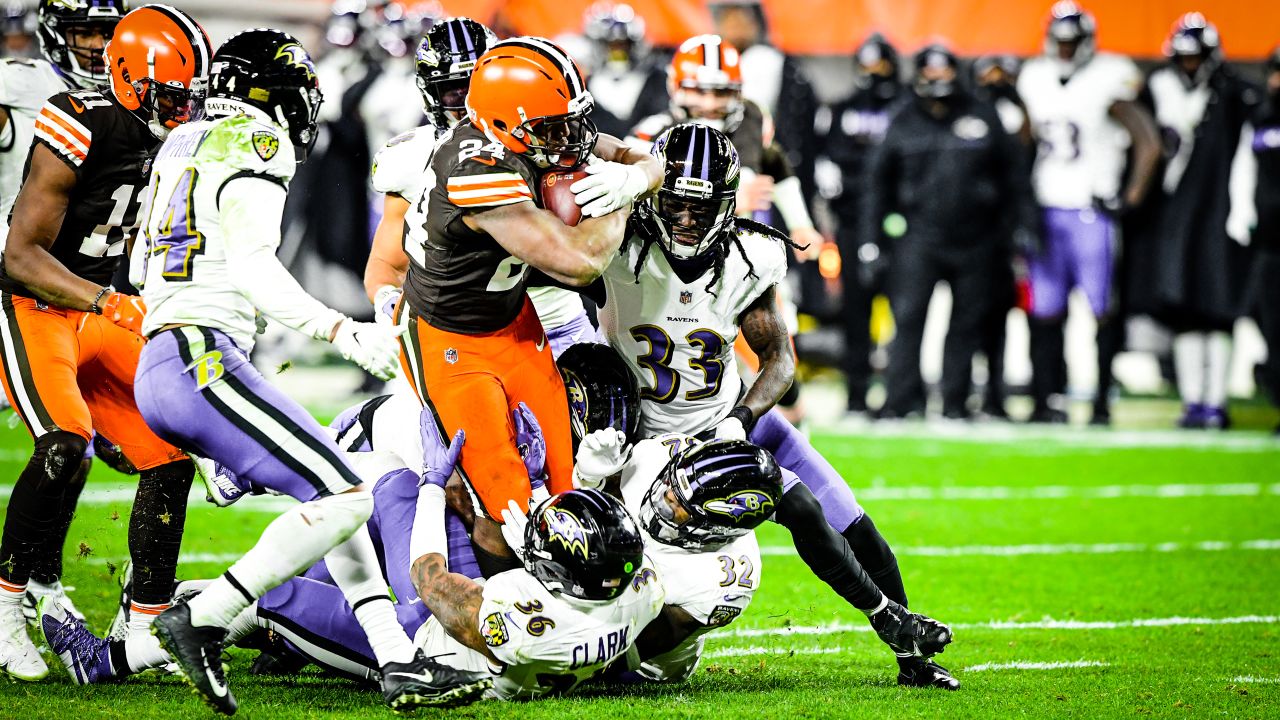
788, 196
251, 207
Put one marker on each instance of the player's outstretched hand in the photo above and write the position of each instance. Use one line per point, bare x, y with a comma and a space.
529, 439
384, 304
608, 187
438, 461
127, 311
514, 520
372, 347
600, 456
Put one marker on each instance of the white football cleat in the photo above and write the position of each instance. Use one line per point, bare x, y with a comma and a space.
56, 592
18, 655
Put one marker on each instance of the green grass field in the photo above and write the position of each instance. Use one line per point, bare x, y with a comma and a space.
1086, 575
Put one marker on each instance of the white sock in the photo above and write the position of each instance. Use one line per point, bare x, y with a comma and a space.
292, 543
141, 616
142, 651
884, 603
354, 567
11, 593
1217, 368
1189, 360
429, 535
245, 623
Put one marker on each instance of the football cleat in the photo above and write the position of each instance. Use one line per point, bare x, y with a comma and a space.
85, 656
18, 655
120, 623
57, 591
910, 634
427, 683
198, 654
926, 674
220, 487
1048, 416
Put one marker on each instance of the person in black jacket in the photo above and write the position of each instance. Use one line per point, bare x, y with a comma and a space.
951, 171
1266, 235
847, 133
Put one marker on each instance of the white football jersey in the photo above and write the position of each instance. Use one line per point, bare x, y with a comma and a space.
1178, 111
1081, 148
678, 337
24, 86
185, 273
547, 643
555, 306
403, 167
713, 586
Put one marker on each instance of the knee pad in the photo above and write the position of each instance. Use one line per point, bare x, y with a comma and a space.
61, 453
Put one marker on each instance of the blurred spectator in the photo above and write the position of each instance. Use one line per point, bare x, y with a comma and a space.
624, 78
1266, 236
772, 80
847, 132
995, 79
1199, 269
19, 27
389, 108
1082, 110
947, 167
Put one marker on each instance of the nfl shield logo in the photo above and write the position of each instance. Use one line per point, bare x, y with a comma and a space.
451, 356
686, 297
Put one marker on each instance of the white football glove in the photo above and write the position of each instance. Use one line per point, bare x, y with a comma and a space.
371, 346
607, 187
601, 454
514, 521
384, 304
730, 428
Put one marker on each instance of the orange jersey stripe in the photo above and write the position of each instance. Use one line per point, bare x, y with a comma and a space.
71, 128
496, 185
493, 199
58, 138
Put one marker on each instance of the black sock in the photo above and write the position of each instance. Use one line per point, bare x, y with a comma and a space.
36, 500
874, 553
46, 566
491, 564
1046, 359
826, 553
155, 530
1110, 341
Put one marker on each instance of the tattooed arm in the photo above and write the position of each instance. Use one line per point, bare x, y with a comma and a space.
453, 599
766, 333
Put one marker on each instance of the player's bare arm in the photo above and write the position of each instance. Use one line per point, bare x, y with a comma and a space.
574, 255
388, 264
766, 334
613, 149
665, 633
37, 218
453, 599
1146, 148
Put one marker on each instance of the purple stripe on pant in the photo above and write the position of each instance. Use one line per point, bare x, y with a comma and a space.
794, 453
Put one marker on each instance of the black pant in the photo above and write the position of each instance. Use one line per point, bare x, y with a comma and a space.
1002, 299
1267, 302
855, 318
918, 266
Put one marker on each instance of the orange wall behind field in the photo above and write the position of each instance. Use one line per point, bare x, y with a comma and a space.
1250, 28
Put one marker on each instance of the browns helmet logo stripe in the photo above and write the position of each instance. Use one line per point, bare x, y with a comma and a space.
201, 50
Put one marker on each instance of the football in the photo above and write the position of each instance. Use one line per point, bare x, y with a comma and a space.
554, 193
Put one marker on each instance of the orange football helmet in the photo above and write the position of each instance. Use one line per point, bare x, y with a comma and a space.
159, 65
705, 83
527, 94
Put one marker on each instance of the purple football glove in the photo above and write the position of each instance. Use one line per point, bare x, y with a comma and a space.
438, 461
533, 447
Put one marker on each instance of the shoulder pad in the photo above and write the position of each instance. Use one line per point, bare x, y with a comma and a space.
480, 173
66, 122
400, 163
250, 144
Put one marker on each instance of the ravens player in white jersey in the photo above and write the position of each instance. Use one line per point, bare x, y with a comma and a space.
1082, 112
689, 278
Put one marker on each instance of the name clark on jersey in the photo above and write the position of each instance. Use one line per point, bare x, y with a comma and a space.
606, 648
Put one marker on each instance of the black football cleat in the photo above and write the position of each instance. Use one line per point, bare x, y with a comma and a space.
197, 651
910, 634
915, 672
1048, 416
427, 683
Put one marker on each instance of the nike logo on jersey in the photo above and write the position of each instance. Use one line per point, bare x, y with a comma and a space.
219, 689
75, 105
485, 161
542, 342
732, 598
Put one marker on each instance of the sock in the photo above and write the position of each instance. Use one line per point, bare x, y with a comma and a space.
141, 616
37, 496
826, 553
136, 653
292, 542
875, 555
46, 566
1189, 357
1046, 359
354, 566
155, 529
1110, 339
245, 623
11, 594
1217, 368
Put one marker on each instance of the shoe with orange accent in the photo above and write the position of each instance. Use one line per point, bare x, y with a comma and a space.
18, 655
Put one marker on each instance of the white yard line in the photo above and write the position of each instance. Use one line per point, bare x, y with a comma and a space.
1047, 624
1258, 680
766, 650
1058, 437
1036, 665
1059, 549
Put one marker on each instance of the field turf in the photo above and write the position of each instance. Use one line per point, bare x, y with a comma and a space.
1087, 574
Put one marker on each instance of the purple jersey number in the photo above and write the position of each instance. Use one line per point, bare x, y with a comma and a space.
177, 239
666, 382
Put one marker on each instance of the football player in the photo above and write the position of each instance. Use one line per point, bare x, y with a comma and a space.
70, 37
475, 345
691, 276
1082, 111
628, 79
72, 341
211, 227
401, 171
